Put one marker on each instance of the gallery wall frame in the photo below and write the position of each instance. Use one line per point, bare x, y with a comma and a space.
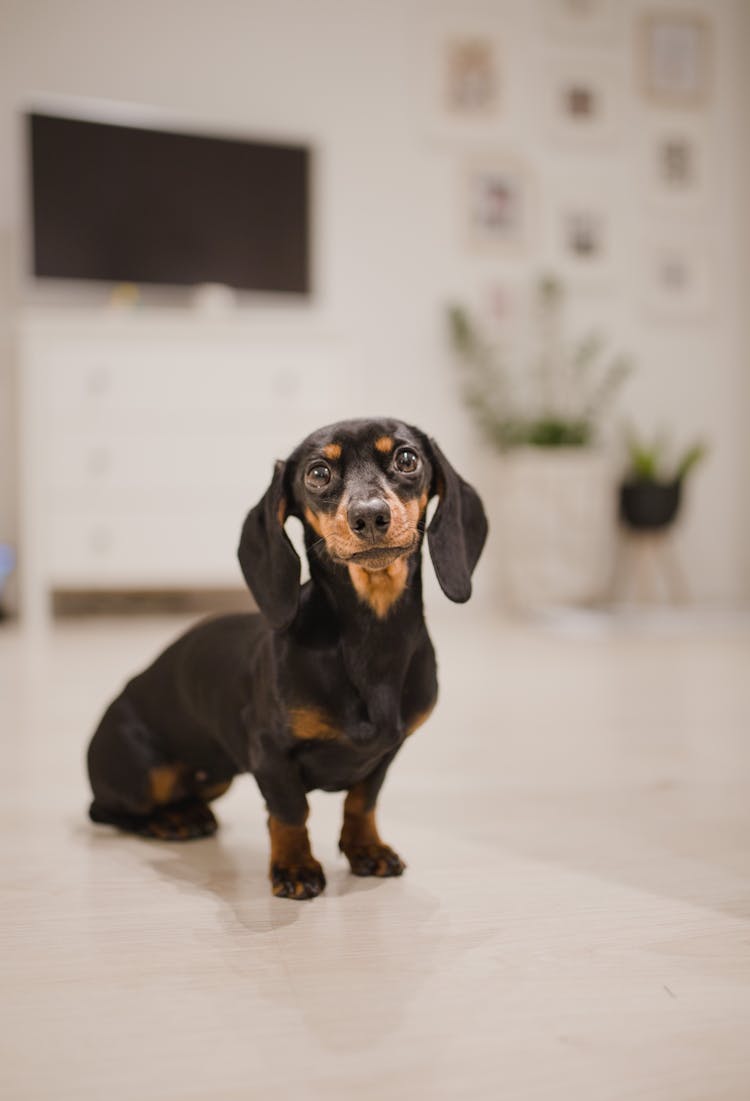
582, 101
678, 278
461, 77
676, 165
584, 241
675, 58
497, 200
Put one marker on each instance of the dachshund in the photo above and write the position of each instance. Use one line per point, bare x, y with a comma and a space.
321, 687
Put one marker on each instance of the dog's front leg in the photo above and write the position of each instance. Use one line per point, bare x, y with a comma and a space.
360, 840
294, 871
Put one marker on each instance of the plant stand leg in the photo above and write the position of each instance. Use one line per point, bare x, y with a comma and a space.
678, 590
647, 569
619, 583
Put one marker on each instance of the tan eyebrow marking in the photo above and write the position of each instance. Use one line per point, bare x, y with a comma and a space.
384, 444
332, 451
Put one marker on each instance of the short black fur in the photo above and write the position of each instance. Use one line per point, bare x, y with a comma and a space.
320, 688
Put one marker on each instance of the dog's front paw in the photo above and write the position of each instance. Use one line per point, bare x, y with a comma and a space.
374, 859
298, 881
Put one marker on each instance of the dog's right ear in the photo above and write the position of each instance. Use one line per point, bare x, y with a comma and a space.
269, 562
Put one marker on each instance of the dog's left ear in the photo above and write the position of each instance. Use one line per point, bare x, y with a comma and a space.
269, 562
458, 529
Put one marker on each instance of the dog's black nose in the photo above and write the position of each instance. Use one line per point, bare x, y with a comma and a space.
370, 519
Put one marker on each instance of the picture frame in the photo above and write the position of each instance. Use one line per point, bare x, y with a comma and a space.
470, 81
496, 204
583, 236
460, 77
499, 303
676, 166
582, 102
584, 231
678, 281
675, 61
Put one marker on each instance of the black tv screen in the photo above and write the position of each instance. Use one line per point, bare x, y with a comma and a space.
130, 204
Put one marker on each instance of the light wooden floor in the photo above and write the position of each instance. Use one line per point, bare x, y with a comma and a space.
574, 922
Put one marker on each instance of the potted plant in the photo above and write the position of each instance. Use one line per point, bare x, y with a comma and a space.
553, 506
651, 492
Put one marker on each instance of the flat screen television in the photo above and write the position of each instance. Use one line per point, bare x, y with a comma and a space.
130, 204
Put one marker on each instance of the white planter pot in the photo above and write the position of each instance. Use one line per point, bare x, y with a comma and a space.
554, 525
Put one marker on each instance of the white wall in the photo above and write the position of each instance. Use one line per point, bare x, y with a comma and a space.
348, 75
742, 53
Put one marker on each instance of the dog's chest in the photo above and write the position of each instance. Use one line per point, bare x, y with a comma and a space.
337, 765
350, 716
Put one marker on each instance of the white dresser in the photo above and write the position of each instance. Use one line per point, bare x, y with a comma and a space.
146, 436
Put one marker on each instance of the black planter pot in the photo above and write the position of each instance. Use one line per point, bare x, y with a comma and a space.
649, 506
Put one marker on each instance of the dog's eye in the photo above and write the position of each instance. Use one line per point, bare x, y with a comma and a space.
318, 475
406, 460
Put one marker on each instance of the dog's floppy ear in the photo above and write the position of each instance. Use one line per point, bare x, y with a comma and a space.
269, 562
458, 529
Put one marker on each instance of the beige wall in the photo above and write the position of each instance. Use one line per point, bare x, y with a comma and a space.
349, 76
743, 51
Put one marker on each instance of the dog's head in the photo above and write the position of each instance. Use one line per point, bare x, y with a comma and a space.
361, 488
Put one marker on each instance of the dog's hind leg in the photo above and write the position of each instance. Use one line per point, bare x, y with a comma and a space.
137, 787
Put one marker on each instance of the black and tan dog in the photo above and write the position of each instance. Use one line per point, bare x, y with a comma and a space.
321, 688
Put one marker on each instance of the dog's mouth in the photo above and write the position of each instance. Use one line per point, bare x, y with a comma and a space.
374, 558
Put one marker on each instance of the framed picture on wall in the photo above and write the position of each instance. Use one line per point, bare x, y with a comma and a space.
501, 301
496, 204
676, 163
675, 58
580, 21
676, 167
678, 280
460, 76
583, 236
494, 297
470, 76
582, 102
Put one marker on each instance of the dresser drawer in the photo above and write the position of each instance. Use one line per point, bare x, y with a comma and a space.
218, 385
189, 464
151, 549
